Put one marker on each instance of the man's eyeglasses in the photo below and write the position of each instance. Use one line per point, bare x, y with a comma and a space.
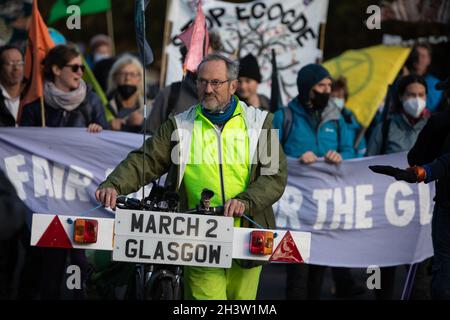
214, 83
76, 67
14, 63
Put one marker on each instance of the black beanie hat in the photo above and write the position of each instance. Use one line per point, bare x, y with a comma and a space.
248, 67
307, 78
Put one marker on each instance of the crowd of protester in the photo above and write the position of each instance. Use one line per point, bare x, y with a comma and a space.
315, 124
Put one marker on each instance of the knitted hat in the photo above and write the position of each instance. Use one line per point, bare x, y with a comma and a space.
99, 40
248, 67
307, 78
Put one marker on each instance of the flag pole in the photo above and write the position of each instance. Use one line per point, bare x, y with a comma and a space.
145, 101
321, 41
110, 26
41, 98
359, 137
322, 34
166, 39
275, 94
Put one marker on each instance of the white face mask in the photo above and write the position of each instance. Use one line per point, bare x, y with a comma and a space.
339, 102
414, 106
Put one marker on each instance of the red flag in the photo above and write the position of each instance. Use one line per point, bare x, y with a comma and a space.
186, 35
196, 39
38, 45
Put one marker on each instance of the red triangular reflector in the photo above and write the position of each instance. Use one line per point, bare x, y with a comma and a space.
55, 236
286, 251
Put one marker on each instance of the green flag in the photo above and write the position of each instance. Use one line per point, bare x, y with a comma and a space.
89, 77
59, 9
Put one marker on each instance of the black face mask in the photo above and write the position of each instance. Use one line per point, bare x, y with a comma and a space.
320, 100
126, 90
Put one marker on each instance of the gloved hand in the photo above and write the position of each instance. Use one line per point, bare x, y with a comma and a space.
411, 175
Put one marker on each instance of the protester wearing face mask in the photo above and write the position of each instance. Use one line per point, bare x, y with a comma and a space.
419, 62
345, 286
317, 130
407, 120
100, 48
402, 129
339, 96
126, 94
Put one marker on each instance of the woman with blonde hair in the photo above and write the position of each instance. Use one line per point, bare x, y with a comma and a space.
125, 92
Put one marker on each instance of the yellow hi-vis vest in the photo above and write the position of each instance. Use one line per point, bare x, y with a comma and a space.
218, 160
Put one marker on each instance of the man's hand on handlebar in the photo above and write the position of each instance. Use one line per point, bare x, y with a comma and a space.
234, 208
106, 196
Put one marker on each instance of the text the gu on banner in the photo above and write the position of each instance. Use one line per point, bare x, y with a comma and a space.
290, 27
357, 218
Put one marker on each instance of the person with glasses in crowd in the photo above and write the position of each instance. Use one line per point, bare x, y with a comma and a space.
126, 89
68, 100
248, 185
180, 95
12, 210
317, 132
11, 77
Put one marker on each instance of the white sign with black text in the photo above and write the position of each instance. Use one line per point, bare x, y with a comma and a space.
173, 238
290, 27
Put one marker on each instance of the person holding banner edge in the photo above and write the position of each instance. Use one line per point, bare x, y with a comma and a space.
316, 129
398, 133
249, 188
68, 100
429, 160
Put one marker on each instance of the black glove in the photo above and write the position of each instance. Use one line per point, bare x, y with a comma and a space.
397, 173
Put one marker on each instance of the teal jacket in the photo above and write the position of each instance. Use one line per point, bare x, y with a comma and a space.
330, 133
354, 129
434, 96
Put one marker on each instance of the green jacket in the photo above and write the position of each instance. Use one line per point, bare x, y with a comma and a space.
262, 192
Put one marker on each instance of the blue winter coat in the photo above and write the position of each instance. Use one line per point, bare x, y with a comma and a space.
330, 134
354, 129
433, 96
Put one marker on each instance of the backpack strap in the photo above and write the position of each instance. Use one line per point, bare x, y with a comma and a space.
338, 131
287, 124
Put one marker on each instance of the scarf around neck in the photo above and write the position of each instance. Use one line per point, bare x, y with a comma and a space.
221, 116
68, 101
